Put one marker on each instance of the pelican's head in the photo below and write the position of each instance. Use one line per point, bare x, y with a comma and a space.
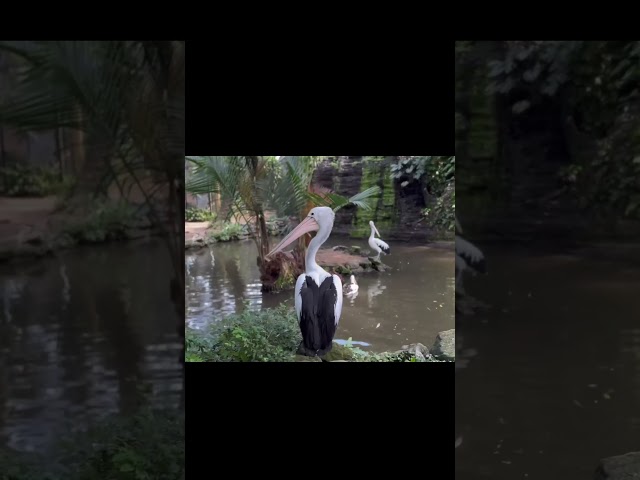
353, 279
318, 218
324, 216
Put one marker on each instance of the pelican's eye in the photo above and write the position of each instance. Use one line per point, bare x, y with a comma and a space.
312, 214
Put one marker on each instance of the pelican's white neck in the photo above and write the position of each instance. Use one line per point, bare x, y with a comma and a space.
310, 260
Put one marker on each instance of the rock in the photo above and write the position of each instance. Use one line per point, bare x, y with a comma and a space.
377, 265
340, 248
355, 249
417, 349
620, 467
399, 355
401, 208
337, 353
445, 345
304, 358
197, 241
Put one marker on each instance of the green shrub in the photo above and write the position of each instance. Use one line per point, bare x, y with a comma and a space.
230, 231
441, 215
29, 181
270, 335
107, 220
192, 214
147, 445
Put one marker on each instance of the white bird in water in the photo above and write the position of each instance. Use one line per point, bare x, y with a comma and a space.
351, 288
318, 294
377, 244
468, 257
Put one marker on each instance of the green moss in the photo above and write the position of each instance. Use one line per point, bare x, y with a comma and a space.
382, 216
342, 270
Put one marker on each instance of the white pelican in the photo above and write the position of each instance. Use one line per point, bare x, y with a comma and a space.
377, 244
468, 257
351, 287
318, 294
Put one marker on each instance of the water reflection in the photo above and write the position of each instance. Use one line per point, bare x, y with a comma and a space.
548, 379
410, 303
81, 334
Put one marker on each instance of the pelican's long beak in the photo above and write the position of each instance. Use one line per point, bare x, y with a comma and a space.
307, 225
377, 232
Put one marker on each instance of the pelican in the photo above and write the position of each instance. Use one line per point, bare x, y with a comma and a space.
318, 294
352, 287
377, 244
468, 257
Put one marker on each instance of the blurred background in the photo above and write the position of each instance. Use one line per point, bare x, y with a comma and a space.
91, 259
548, 188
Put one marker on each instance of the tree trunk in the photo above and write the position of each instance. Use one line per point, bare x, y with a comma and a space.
261, 223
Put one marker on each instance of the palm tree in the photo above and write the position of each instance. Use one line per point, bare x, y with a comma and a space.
252, 184
125, 100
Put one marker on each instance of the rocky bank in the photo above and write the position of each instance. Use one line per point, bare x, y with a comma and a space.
442, 350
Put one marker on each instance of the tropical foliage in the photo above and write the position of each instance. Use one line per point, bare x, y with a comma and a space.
127, 97
251, 185
437, 176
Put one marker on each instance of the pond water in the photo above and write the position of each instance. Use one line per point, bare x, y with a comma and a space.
548, 380
80, 334
410, 303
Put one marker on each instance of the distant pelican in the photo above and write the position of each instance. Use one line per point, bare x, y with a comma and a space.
468, 257
377, 244
352, 287
318, 294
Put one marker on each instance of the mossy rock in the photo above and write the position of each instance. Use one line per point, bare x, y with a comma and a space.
378, 265
304, 358
342, 270
355, 249
339, 352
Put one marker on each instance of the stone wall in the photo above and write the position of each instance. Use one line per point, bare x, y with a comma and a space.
396, 213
